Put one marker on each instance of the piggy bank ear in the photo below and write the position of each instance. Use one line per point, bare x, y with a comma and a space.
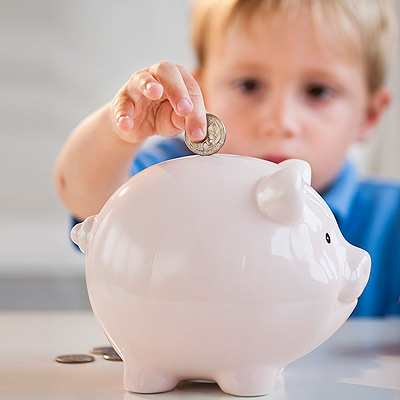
280, 196
301, 165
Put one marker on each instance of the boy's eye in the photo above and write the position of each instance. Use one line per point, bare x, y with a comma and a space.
319, 92
249, 85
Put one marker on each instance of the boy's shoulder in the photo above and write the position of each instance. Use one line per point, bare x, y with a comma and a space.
350, 195
380, 186
382, 194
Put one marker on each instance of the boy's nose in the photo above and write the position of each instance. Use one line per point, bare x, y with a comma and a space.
280, 118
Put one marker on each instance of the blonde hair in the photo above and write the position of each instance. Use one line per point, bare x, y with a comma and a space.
367, 27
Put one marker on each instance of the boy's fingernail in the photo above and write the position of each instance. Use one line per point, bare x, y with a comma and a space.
150, 85
183, 105
197, 135
124, 122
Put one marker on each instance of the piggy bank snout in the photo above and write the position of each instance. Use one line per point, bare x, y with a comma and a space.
356, 274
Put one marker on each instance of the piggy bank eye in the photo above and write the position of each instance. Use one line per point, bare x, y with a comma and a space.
327, 237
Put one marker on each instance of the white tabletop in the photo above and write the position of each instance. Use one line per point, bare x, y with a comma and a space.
361, 361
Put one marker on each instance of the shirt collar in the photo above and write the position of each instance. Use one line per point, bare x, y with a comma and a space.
339, 196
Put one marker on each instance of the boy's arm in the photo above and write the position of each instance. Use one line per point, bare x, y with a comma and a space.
96, 158
94, 162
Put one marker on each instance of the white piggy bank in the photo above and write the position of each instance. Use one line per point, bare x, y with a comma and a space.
223, 268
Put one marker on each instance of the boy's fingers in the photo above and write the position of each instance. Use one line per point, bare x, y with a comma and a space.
144, 83
160, 82
175, 89
196, 121
123, 109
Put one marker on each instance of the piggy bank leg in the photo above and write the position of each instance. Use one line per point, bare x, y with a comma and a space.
142, 380
251, 382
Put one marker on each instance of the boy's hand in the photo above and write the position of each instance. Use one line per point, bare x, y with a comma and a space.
162, 99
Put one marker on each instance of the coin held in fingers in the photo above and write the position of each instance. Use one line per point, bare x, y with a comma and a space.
214, 140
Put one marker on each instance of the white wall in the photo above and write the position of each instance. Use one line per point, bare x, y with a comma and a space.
60, 61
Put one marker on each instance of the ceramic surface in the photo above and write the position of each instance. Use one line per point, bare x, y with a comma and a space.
224, 268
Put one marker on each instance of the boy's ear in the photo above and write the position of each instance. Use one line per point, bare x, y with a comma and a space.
377, 104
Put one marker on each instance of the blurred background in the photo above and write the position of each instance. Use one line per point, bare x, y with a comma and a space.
59, 62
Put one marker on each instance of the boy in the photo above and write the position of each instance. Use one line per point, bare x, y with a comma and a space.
289, 79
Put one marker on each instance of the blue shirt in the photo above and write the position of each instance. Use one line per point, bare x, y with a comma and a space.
157, 150
368, 214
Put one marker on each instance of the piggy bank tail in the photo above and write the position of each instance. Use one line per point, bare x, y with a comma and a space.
81, 233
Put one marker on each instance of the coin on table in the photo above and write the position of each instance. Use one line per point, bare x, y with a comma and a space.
214, 140
74, 358
102, 350
112, 357
107, 352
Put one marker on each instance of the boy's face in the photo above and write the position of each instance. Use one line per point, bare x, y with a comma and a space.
280, 95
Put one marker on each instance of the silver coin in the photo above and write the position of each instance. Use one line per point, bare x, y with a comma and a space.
112, 357
214, 140
102, 350
74, 358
